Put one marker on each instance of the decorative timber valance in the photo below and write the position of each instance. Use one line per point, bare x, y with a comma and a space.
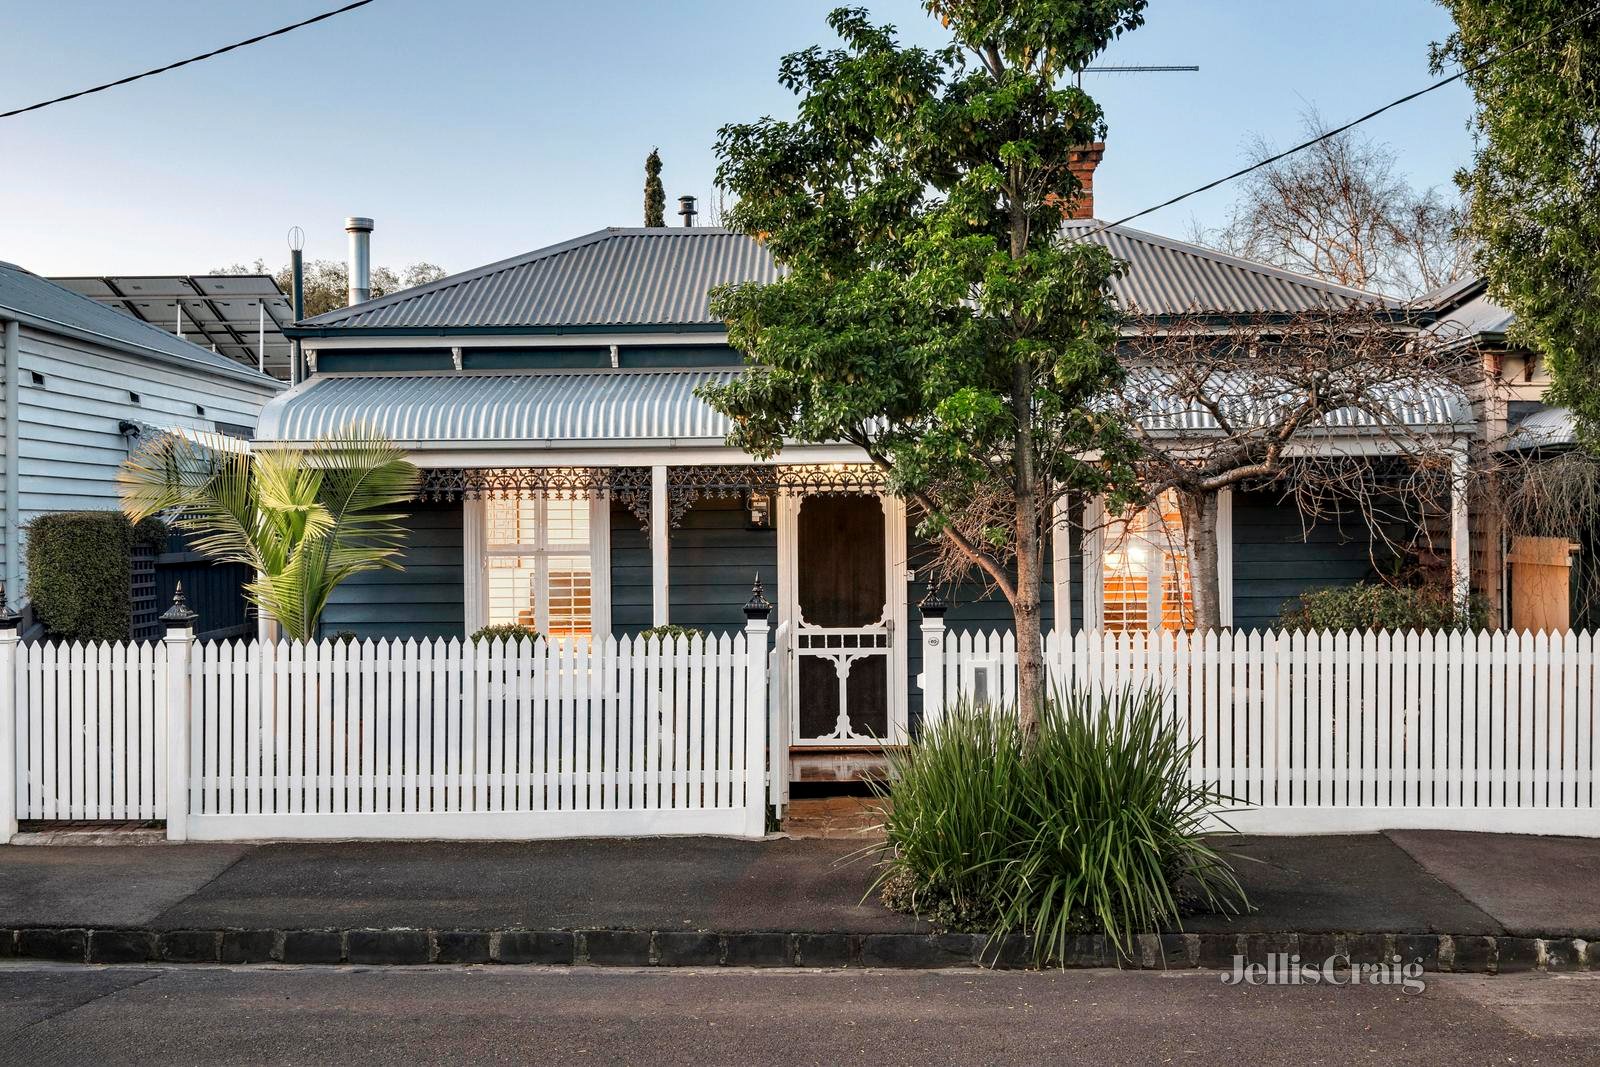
631, 486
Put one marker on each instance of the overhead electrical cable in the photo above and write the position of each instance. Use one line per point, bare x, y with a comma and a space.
1337, 130
185, 62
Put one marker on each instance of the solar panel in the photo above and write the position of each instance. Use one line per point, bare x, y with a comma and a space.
240, 316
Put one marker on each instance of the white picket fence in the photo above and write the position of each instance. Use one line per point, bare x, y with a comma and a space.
450, 739
1348, 732
413, 739
90, 730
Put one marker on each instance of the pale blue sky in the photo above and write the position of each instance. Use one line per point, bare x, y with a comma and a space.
477, 129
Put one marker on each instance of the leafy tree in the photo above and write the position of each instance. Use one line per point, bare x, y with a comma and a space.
327, 281
1340, 210
1534, 185
931, 313
303, 519
655, 197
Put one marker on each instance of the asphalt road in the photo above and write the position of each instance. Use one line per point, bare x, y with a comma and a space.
349, 1016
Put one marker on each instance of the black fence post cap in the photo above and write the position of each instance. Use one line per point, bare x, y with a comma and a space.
933, 606
179, 616
9, 620
758, 607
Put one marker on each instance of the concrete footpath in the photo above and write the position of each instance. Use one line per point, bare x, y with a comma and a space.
1466, 902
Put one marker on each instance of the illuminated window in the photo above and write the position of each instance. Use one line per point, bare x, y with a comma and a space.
1145, 570
540, 566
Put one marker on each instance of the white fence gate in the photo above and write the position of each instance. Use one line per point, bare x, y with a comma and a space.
429, 739
1349, 732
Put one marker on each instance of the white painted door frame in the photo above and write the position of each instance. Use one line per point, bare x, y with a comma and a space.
895, 615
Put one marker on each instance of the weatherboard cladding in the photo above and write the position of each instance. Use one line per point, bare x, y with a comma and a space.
615, 277
569, 406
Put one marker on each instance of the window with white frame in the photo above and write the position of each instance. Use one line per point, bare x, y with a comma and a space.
542, 564
1144, 570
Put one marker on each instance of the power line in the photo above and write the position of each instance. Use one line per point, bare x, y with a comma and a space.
1441, 83
185, 62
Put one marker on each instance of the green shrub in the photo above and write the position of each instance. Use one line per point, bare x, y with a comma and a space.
1375, 606
672, 632
1094, 828
506, 631
80, 572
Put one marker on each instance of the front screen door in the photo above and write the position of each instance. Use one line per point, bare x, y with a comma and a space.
843, 633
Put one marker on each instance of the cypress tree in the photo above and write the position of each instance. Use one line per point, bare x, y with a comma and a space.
655, 197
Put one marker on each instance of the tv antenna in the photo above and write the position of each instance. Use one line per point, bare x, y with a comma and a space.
1134, 68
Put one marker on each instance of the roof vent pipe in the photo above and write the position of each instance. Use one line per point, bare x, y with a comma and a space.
360, 231
686, 209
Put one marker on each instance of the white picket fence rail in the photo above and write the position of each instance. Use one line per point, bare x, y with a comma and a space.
1346, 732
402, 739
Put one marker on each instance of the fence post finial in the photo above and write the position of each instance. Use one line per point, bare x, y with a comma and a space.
757, 607
9, 620
179, 615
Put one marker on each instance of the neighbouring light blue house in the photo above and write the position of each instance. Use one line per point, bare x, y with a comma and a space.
574, 482
82, 384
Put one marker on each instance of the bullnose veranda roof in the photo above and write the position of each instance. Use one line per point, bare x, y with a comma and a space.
552, 408
640, 278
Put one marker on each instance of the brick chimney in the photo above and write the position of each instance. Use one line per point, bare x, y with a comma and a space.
1082, 161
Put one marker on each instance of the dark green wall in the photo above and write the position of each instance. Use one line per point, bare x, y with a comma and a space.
714, 559
1275, 558
630, 573
426, 599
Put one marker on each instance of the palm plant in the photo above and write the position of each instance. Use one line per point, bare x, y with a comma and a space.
304, 519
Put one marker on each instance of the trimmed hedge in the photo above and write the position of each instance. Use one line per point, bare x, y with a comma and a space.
80, 574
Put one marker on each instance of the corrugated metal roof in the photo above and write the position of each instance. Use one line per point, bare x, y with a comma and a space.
1251, 402
1552, 426
571, 407
582, 407
614, 277
661, 277
29, 295
1478, 318
1169, 277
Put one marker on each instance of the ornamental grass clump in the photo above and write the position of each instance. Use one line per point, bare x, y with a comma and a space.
1092, 827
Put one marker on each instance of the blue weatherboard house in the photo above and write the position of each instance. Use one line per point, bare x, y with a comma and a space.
575, 483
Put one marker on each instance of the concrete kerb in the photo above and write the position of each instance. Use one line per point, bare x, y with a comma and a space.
1477, 954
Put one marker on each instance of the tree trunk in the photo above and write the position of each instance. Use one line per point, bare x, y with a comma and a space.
1199, 512
1025, 609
